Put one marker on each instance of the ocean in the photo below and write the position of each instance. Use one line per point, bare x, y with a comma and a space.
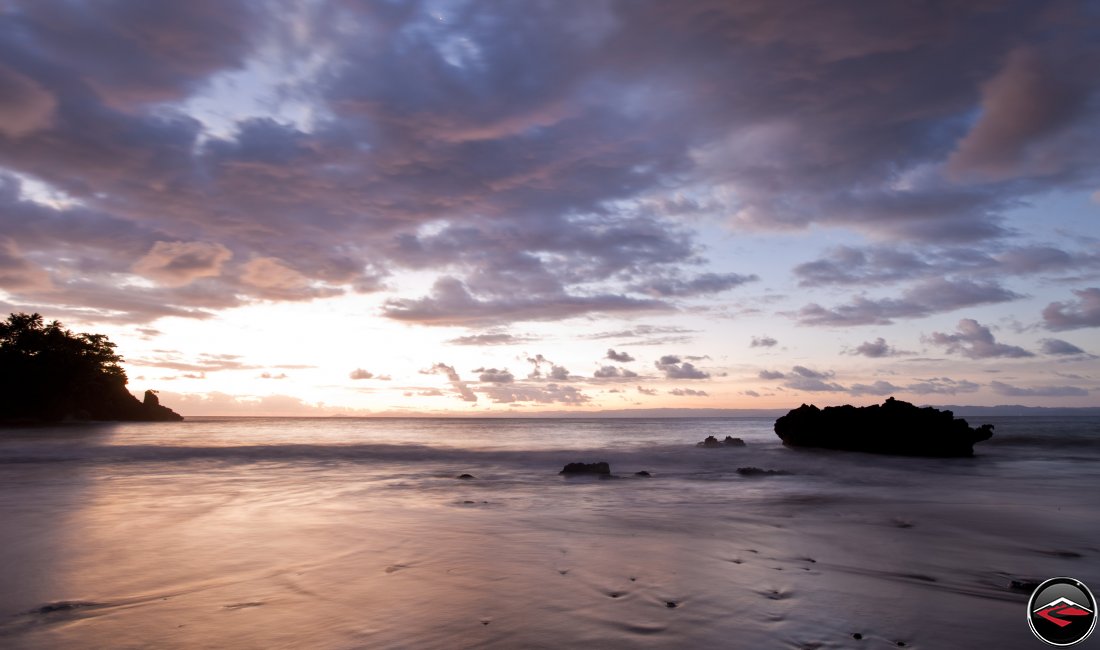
357, 533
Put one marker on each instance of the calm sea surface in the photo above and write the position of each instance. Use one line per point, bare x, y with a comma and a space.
346, 533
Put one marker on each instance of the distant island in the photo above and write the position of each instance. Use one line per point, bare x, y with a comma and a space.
49, 374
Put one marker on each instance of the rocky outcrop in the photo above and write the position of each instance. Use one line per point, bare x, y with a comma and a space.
599, 469
894, 427
711, 442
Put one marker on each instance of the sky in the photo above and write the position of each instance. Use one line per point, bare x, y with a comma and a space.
339, 207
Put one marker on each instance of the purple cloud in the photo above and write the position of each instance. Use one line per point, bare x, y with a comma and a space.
1084, 312
974, 340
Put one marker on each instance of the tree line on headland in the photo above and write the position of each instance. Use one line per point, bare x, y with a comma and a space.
50, 374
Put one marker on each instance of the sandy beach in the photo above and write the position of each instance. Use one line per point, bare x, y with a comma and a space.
135, 536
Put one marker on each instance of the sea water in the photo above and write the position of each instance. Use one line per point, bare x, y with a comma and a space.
349, 533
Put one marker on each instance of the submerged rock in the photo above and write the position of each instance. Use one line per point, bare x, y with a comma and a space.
600, 468
643, 474
466, 477
895, 427
711, 442
756, 471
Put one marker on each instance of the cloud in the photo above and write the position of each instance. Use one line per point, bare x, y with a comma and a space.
1024, 106
771, 374
452, 304
491, 338
706, 283
923, 299
674, 368
875, 349
647, 391
542, 394
177, 263
459, 386
1044, 391
621, 357
333, 146
1085, 312
1060, 347
360, 373
205, 362
25, 105
268, 375
494, 376
687, 392
612, 372
877, 388
763, 342
973, 340
942, 386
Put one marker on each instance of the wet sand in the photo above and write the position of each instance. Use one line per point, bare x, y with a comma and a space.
331, 554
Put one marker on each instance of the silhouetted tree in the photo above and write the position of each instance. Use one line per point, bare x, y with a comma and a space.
48, 373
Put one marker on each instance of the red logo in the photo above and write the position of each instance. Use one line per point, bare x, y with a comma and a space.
1063, 607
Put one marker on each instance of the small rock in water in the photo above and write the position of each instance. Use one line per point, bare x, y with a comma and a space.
710, 442
643, 474
1024, 585
600, 468
857, 636
466, 477
671, 604
756, 471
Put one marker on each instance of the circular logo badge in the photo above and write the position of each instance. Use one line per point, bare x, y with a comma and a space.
1062, 611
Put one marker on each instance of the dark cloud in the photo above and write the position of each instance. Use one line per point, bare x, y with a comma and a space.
621, 357
675, 368
452, 304
1084, 312
763, 342
875, 349
923, 299
687, 392
881, 265
1060, 347
612, 372
647, 391
494, 376
976, 341
1043, 391
460, 387
771, 374
706, 283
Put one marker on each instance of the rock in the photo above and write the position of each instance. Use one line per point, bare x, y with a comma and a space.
756, 471
643, 474
895, 427
466, 477
711, 442
1024, 585
600, 468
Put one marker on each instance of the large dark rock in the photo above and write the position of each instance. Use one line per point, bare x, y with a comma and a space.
894, 427
601, 468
